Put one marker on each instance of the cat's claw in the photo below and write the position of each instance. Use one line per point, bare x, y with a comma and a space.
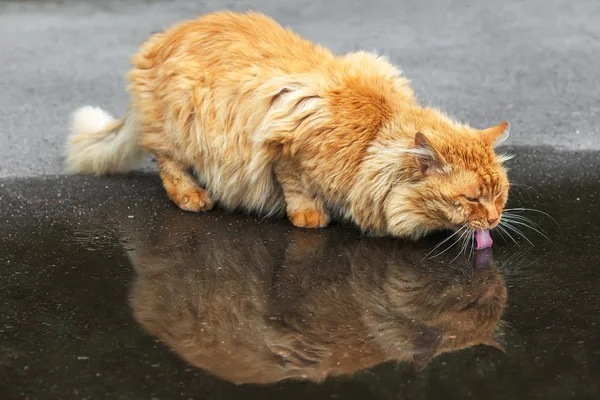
309, 219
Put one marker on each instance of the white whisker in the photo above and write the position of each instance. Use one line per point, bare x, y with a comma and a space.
472, 247
514, 255
533, 210
462, 247
449, 247
502, 229
520, 218
502, 235
512, 221
522, 185
508, 225
444, 241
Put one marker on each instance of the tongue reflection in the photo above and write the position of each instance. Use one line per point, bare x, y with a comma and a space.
484, 240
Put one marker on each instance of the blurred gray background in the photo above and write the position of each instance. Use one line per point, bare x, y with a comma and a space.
534, 63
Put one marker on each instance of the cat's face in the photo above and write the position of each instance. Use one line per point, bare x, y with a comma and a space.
467, 306
470, 194
459, 183
451, 311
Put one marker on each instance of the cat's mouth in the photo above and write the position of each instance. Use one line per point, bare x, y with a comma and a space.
483, 239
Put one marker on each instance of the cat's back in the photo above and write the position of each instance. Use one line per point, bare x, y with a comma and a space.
226, 41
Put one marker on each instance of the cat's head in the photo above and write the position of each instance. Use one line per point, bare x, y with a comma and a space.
458, 181
450, 309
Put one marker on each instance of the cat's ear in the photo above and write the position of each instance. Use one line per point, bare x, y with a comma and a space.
428, 159
420, 360
490, 341
496, 135
427, 345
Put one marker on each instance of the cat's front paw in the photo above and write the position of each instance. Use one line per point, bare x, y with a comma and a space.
195, 201
309, 218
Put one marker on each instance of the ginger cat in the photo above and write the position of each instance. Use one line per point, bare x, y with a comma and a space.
255, 305
272, 123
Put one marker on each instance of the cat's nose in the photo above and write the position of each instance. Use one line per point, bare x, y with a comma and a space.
492, 221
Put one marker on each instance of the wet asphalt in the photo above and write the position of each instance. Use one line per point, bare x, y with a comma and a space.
110, 291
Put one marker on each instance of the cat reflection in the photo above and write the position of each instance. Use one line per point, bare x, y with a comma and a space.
254, 306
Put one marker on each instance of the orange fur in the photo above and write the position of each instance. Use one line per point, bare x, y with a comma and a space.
272, 123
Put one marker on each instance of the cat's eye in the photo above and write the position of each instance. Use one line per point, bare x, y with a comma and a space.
471, 199
471, 305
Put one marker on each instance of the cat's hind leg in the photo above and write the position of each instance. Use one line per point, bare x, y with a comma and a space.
181, 186
304, 209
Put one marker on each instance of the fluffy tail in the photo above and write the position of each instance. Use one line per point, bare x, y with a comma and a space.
99, 144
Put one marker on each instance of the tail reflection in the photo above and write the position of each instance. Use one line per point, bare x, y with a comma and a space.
254, 306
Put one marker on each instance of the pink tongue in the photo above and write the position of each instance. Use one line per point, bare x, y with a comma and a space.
484, 240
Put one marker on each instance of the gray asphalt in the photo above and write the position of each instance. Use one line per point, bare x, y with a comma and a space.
534, 63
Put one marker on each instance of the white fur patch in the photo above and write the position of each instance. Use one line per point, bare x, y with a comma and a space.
99, 144
502, 158
88, 119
